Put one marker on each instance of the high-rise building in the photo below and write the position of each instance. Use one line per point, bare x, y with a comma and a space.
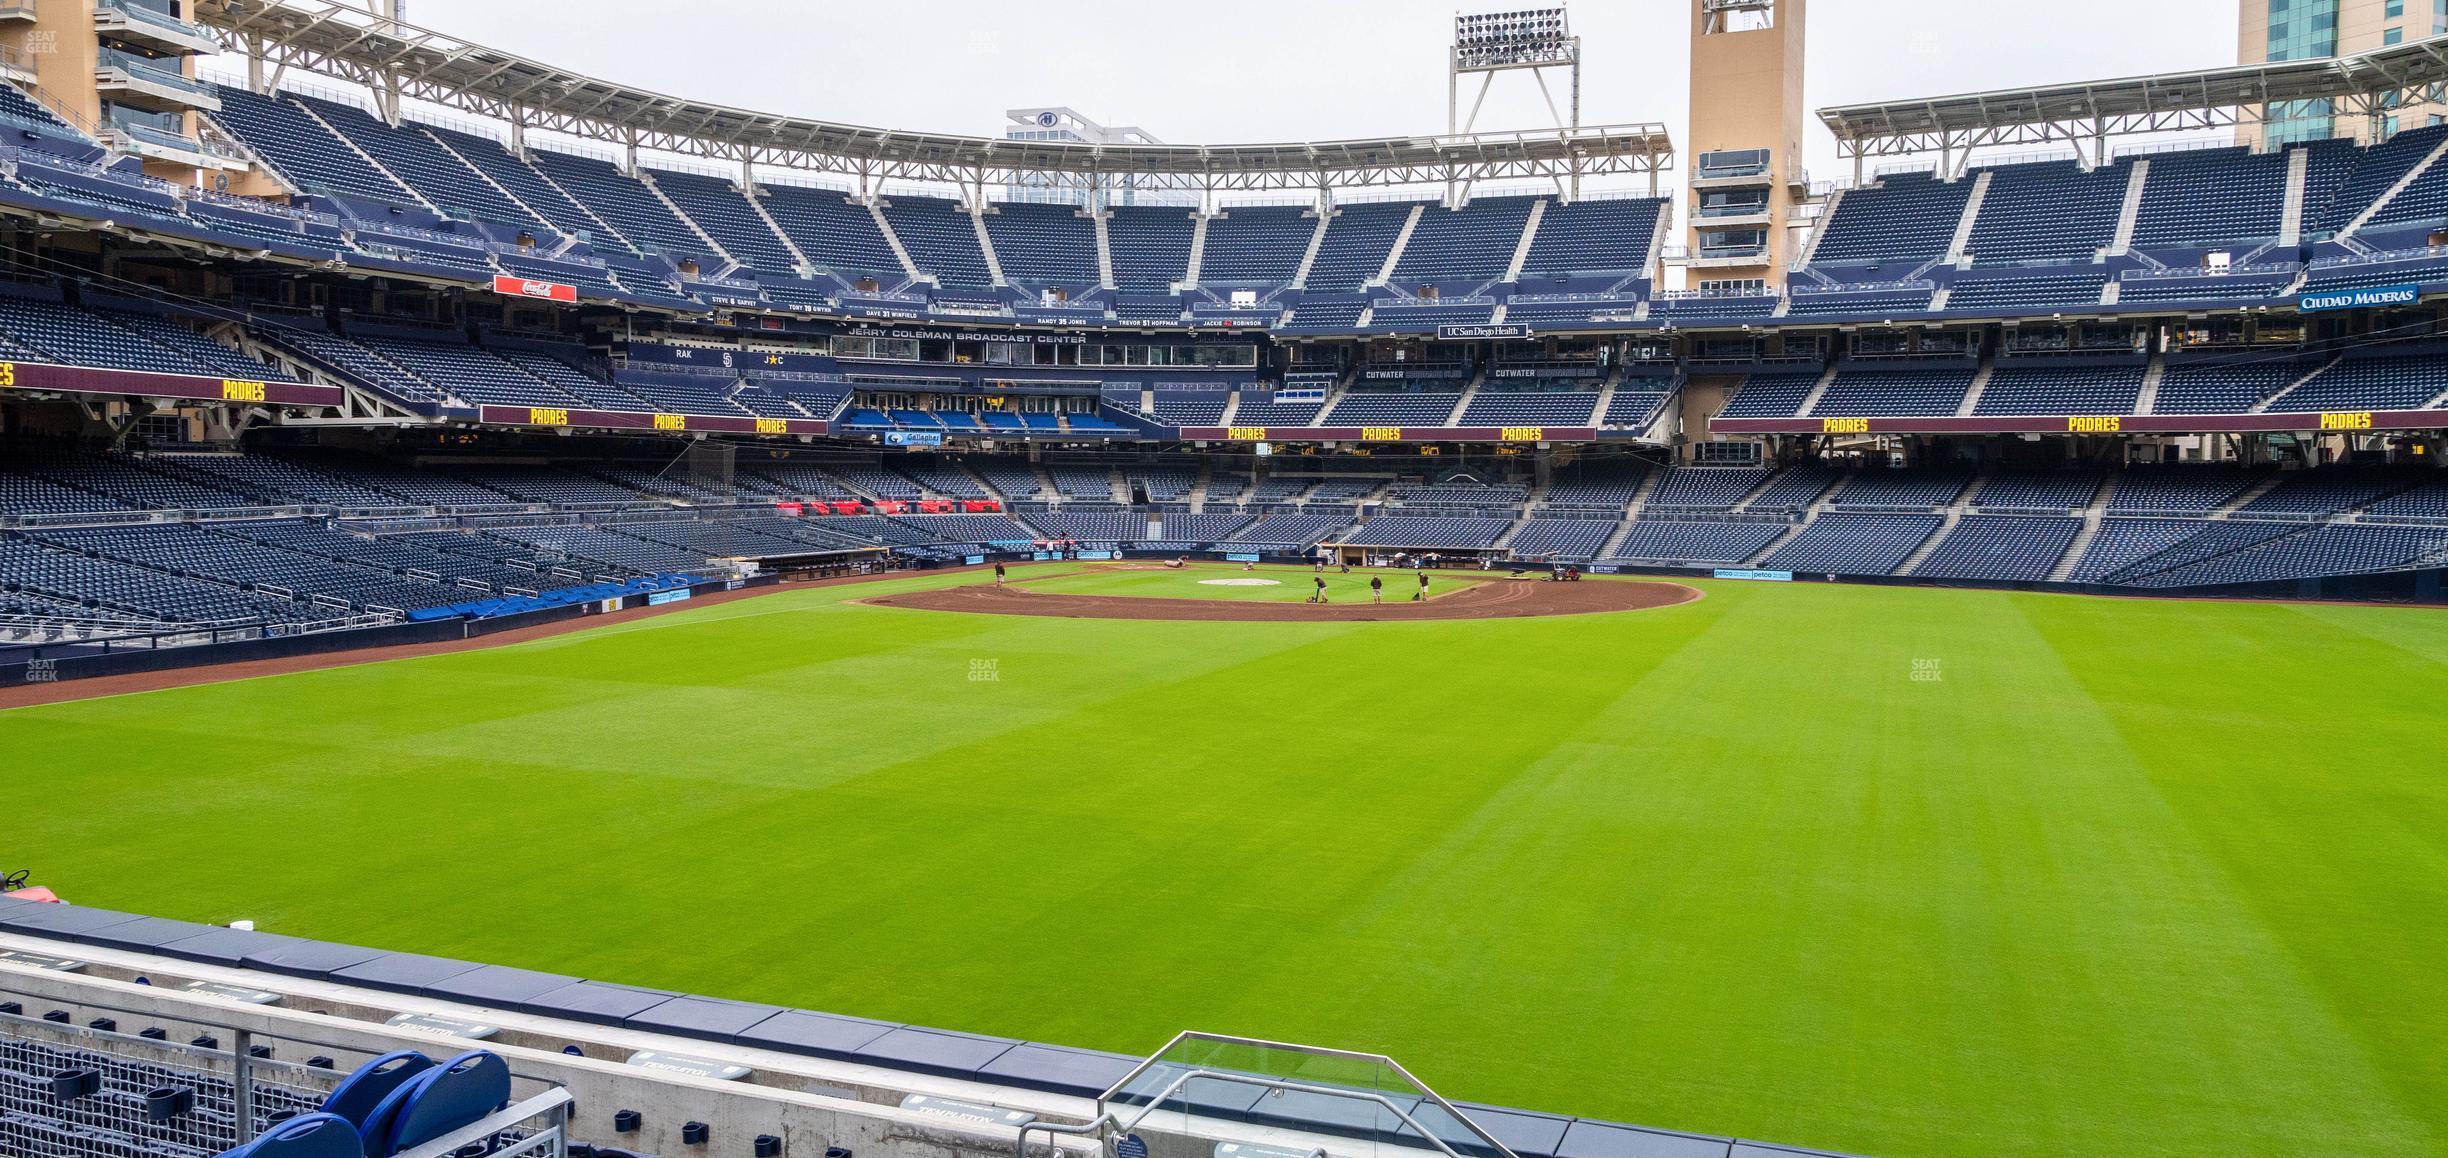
2269, 31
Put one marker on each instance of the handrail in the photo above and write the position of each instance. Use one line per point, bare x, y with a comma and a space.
1156, 1103
1501, 1150
1020, 1142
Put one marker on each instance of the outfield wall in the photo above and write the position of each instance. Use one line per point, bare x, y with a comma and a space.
62, 662
2428, 586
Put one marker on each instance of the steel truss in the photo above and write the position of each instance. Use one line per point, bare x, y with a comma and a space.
398, 62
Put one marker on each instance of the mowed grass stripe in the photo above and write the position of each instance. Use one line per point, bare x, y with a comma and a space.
2122, 879
2324, 807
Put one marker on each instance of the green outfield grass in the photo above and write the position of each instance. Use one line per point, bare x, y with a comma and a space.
1292, 584
1903, 872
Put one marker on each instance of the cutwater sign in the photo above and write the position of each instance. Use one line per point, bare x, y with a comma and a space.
2359, 299
1481, 333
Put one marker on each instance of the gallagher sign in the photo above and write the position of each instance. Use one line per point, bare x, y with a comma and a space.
2356, 299
527, 287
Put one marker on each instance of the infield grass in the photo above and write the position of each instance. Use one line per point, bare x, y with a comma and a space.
1897, 871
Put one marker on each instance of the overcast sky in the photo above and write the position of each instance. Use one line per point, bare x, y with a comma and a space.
1288, 70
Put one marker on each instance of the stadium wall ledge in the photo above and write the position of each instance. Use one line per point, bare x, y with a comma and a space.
852, 1081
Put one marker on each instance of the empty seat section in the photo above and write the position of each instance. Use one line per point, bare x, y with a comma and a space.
1853, 544
425, 166
2001, 547
1473, 243
1255, 245
1770, 396
1562, 538
2377, 170
2062, 390
2029, 292
1909, 217
2211, 197
1151, 246
1356, 245
1714, 541
1367, 408
2047, 212
723, 212
624, 203
1594, 237
1860, 392
834, 232
521, 180
941, 238
2223, 386
302, 150
1043, 244
2386, 383
1529, 408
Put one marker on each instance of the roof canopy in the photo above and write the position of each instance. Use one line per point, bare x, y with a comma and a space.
397, 59
2364, 84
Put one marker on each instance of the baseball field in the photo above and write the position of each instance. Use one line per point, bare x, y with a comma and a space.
1898, 871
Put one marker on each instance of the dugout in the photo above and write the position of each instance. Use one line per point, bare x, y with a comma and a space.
834, 564
1439, 558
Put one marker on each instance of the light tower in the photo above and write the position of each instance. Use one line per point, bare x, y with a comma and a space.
1745, 139
1531, 40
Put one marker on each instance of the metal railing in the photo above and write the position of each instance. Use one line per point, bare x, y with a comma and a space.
202, 634
137, 70
2383, 257
2194, 273
158, 19
1864, 287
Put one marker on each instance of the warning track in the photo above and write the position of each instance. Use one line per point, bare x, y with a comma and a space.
1519, 599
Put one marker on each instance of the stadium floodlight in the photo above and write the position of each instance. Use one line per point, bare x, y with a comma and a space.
1533, 39
1523, 39
1488, 43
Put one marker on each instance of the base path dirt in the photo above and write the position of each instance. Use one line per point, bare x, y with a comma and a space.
1514, 599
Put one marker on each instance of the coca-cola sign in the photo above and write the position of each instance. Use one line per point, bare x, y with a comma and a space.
527, 287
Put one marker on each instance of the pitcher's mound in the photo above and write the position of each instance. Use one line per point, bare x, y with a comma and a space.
1482, 601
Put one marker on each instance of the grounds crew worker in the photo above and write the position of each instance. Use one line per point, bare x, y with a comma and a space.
1376, 588
1422, 593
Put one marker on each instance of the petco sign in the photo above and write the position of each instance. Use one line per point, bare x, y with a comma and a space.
525, 287
2357, 299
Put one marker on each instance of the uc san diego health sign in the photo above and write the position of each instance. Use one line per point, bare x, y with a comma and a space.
2358, 299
